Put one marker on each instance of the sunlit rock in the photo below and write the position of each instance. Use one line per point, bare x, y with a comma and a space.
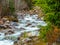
26, 40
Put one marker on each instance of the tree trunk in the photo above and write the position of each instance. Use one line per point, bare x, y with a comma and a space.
0, 10
20, 4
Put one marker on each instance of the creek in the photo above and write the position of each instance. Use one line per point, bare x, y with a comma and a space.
26, 23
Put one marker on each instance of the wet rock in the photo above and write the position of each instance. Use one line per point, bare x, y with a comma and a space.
2, 27
14, 23
18, 38
28, 24
22, 28
32, 26
15, 43
9, 32
7, 26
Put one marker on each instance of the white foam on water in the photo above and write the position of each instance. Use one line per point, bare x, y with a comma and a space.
6, 42
2, 36
31, 28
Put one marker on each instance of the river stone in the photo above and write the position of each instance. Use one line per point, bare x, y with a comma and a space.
9, 32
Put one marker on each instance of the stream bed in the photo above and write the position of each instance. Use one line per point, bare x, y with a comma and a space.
26, 23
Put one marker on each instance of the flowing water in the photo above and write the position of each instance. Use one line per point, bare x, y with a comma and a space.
27, 23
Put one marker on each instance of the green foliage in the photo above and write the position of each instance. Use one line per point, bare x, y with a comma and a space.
53, 18
25, 35
44, 30
51, 10
52, 14
42, 4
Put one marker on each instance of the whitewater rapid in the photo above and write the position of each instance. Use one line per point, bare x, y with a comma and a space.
26, 23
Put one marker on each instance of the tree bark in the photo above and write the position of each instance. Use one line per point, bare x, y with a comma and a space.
0, 10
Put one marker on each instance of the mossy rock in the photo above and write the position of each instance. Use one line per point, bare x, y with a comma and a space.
11, 18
